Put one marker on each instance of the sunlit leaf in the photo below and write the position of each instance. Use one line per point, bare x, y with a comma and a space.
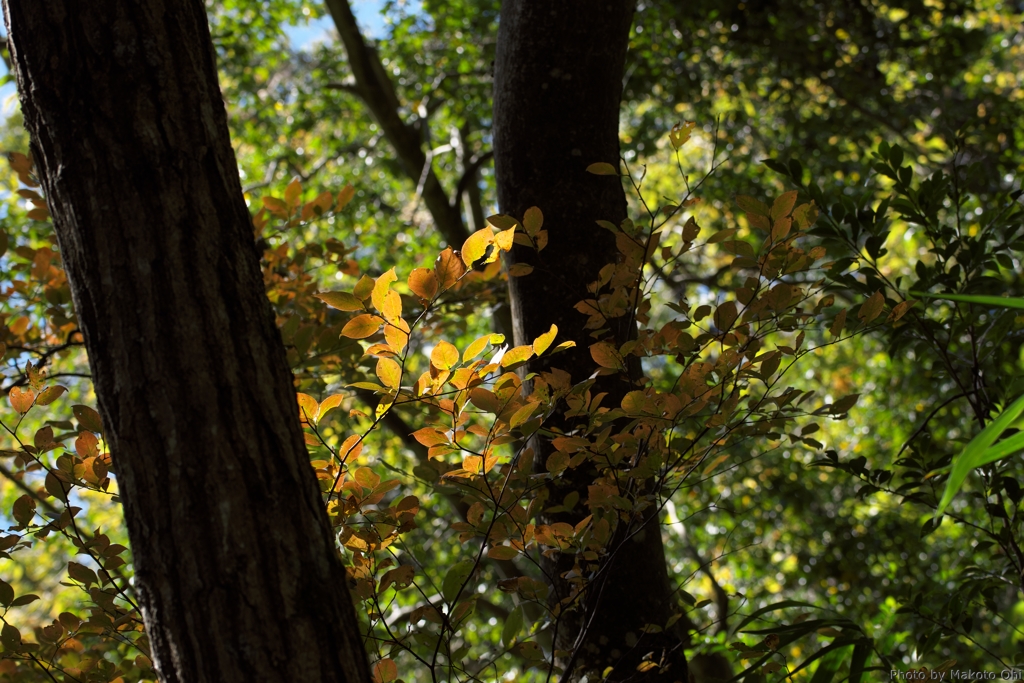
541, 343
343, 301
361, 326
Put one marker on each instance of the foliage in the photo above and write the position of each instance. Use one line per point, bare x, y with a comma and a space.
806, 534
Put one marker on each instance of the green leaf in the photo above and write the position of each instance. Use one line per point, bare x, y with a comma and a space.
602, 168
513, 625
978, 453
456, 578
999, 301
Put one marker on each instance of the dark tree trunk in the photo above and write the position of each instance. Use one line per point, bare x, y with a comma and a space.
558, 82
235, 564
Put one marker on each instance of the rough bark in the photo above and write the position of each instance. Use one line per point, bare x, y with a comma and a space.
558, 81
236, 569
377, 91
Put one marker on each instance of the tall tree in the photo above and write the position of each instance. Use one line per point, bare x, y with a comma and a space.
236, 569
558, 82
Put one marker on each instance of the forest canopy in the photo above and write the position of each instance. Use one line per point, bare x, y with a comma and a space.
740, 397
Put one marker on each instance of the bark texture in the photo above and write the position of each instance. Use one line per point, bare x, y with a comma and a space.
236, 569
558, 83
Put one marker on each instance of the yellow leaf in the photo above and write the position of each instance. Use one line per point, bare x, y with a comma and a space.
533, 220
871, 308
381, 287
543, 342
503, 240
48, 396
344, 197
516, 355
474, 248
389, 372
308, 408
361, 326
678, 136
396, 336
474, 349
392, 308
363, 288
444, 356
423, 283
292, 192
343, 301
602, 168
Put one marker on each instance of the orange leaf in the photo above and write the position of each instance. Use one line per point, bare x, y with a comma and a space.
448, 268
330, 403
607, 356
351, 448
21, 399
87, 417
344, 197
444, 356
343, 301
292, 192
385, 671
753, 206
783, 205
898, 311
361, 326
430, 436
275, 206
838, 323
308, 407
502, 552
87, 445
725, 315
871, 308
423, 283
19, 162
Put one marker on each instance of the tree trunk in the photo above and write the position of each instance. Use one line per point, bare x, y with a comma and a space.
235, 563
376, 89
558, 81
